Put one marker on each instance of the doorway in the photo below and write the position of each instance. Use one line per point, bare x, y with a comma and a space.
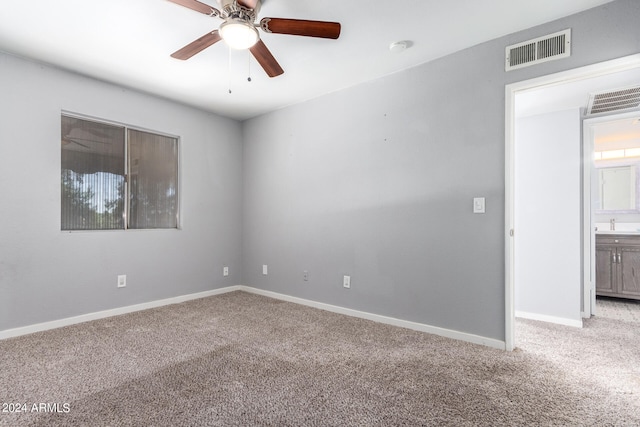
556, 81
614, 141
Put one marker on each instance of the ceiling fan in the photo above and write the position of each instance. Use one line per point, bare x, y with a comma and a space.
240, 31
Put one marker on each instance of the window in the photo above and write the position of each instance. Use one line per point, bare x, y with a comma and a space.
114, 177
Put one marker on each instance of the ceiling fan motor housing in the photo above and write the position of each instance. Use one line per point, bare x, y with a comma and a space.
234, 10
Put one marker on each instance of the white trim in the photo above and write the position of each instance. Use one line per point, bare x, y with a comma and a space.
588, 240
549, 319
509, 215
448, 333
45, 326
590, 71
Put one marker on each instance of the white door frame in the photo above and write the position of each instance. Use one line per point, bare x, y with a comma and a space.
590, 71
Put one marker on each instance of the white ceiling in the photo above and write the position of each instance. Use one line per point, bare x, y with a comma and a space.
128, 42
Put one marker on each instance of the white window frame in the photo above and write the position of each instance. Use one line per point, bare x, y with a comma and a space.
126, 213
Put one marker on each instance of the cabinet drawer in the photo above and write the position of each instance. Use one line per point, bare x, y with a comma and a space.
618, 239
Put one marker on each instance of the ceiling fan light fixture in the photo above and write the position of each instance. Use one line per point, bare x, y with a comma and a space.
239, 34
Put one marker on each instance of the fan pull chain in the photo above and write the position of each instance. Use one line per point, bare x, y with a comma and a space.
229, 68
249, 66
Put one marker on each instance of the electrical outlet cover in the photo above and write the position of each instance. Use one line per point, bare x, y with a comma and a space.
122, 280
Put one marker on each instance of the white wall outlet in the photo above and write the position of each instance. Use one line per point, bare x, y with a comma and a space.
264, 269
346, 281
225, 271
478, 205
122, 280
305, 275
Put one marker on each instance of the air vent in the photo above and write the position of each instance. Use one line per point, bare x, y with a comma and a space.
614, 101
536, 51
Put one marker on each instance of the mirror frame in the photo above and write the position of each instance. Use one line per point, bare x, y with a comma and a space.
616, 163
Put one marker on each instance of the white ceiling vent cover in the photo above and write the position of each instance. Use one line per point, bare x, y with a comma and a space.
614, 101
536, 51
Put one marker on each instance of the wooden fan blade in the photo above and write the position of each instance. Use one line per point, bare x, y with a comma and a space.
266, 59
197, 46
249, 4
301, 27
195, 5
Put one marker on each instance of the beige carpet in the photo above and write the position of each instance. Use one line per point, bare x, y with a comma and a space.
618, 309
246, 360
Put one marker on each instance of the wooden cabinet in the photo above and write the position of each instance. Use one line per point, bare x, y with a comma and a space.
618, 265
606, 271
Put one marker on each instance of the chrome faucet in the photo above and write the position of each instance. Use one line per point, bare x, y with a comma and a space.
612, 223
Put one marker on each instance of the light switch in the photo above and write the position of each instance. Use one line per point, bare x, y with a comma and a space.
478, 205
346, 281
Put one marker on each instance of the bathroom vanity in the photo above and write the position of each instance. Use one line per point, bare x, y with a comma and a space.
618, 265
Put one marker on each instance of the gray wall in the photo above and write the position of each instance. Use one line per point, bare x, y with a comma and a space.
46, 274
377, 181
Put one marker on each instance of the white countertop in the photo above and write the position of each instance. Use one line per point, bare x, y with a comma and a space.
617, 232
620, 228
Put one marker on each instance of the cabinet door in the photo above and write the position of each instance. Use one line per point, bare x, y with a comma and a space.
629, 285
605, 270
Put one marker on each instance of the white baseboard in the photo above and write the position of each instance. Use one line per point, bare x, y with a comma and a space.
549, 319
448, 333
10, 333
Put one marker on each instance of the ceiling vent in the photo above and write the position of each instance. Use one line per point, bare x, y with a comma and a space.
614, 101
536, 51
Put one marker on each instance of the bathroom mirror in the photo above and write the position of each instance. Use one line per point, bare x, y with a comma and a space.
618, 189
